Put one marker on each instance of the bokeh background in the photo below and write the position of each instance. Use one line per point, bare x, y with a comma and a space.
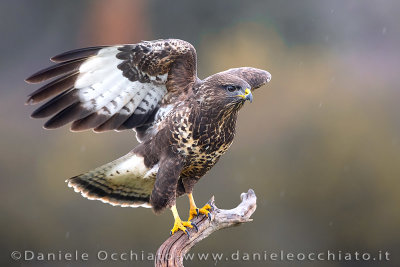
320, 144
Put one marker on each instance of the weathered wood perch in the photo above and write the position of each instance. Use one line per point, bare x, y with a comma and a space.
171, 252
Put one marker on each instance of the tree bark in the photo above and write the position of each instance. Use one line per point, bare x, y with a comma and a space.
172, 251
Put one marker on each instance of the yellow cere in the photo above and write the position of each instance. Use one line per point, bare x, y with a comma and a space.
246, 92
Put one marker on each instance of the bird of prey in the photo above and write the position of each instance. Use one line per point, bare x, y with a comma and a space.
183, 124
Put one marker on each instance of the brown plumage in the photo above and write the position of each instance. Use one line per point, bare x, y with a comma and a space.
184, 124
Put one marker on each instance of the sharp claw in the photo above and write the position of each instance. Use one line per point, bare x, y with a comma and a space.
209, 216
198, 212
195, 226
170, 233
187, 232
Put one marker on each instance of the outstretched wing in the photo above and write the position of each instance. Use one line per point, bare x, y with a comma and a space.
114, 87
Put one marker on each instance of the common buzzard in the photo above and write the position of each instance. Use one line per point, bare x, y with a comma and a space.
184, 124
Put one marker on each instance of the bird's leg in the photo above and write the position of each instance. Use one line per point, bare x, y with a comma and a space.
179, 224
194, 211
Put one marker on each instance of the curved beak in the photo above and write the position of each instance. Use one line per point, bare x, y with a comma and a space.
247, 95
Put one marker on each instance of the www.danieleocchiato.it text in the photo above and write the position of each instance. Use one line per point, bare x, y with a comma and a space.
134, 256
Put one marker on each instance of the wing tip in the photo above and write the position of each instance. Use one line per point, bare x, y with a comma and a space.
77, 129
48, 128
33, 79
36, 115
32, 100
77, 53
50, 125
59, 58
29, 101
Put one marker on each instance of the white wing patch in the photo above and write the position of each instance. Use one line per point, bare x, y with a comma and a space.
102, 88
97, 75
152, 98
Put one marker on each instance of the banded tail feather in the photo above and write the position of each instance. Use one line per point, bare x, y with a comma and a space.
125, 182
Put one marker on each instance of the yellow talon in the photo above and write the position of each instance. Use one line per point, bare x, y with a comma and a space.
205, 210
179, 224
194, 211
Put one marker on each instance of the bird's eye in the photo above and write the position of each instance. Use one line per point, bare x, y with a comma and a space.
231, 88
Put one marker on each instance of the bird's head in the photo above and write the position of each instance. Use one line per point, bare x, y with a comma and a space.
232, 88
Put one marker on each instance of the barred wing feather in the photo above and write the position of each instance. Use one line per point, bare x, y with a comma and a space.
113, 87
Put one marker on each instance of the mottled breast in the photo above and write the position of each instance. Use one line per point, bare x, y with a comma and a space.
202, 139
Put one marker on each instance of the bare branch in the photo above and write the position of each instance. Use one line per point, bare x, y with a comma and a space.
171, 252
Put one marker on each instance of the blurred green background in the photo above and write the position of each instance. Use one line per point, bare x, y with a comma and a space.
320, 144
